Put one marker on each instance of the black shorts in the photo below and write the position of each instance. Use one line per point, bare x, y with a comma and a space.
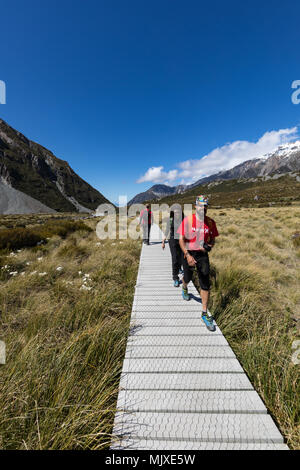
202, 267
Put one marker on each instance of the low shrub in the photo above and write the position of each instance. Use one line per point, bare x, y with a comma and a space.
18, 237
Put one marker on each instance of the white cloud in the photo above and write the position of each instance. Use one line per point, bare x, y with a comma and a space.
157, 175
221, 158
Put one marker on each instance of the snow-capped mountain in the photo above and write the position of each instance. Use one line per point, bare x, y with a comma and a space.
285, 159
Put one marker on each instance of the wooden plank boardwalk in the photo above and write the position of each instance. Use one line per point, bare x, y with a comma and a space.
181, 386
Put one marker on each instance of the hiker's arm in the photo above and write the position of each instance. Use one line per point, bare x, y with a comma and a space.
190, 259
167, 232
210, 244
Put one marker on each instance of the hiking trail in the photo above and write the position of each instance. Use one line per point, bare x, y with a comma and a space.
182, 387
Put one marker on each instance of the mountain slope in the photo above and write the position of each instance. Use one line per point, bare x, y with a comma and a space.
156, 192
32, 169
285, 159
13, 201
279, 189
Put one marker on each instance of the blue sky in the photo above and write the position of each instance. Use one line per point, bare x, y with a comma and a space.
120, 87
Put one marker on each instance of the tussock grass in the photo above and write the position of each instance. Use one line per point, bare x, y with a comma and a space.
296, 241
255, 300
65, 345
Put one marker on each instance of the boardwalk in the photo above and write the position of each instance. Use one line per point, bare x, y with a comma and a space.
181, 385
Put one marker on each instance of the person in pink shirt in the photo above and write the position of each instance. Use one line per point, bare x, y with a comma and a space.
197, 238
146, 220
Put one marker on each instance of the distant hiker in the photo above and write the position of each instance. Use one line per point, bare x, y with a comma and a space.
173, 224
146, 220
197, 237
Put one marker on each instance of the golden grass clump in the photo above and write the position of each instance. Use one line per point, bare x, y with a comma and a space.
65, 309
255, 298
65, 323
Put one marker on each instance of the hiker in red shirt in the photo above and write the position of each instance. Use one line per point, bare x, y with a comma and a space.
146, 220
197, 237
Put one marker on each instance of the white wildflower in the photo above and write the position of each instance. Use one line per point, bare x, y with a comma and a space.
83, 287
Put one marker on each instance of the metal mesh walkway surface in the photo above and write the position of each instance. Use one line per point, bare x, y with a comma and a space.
181, 386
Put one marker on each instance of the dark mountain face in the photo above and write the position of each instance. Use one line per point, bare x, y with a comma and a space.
162, 188
154, 193
34, 170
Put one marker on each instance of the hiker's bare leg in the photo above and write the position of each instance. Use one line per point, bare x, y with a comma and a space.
204, 297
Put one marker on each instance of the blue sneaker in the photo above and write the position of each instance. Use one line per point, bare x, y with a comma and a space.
209, 322
176, 283
185, 294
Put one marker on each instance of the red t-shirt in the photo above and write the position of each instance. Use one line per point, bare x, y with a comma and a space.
195, 232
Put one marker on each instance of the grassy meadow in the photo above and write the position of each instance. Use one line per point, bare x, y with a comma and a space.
256, 301
65, 308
